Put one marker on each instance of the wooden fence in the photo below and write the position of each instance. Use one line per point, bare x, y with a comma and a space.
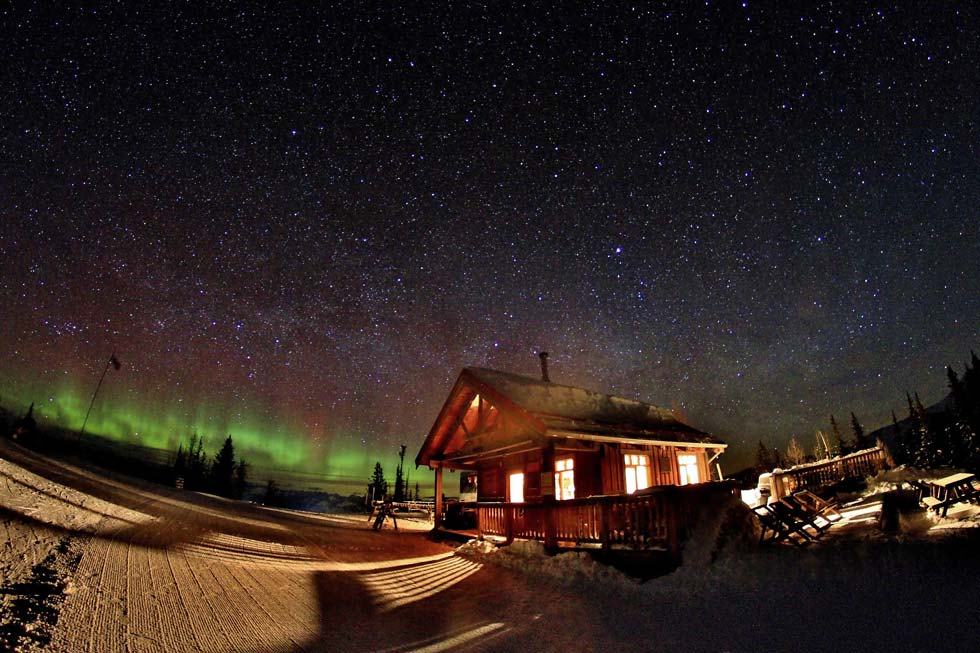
656, 518
817, 475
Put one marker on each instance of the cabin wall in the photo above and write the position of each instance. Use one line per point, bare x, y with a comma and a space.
664, 468
612, 470
599, 469
587, 464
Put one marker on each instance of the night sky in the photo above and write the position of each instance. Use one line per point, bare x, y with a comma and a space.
297, 225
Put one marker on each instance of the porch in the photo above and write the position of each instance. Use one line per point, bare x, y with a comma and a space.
659, 518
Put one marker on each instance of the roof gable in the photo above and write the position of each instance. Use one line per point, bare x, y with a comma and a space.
472, 410
544, 408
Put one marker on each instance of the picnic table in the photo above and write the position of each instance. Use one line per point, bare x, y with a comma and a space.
951, 489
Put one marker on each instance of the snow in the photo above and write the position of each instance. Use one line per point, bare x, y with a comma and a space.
100, 562
562, 406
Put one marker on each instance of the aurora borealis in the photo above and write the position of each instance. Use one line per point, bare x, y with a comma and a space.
297, 224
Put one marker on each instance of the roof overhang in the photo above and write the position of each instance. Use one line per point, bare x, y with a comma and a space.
464, 458
467, 385
572, 435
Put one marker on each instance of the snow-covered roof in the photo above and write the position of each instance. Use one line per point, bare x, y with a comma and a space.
550, 410
571, 409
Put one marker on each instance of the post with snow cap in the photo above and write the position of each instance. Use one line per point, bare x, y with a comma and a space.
544, 366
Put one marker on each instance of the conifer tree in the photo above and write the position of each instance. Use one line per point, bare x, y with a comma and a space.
971, 379
400, 481
377, 486
840, 447
927, 453
196, 463
764, 461
861, 441
271, 497
963, 437
241, 478
180, 464
901, 446
223, 469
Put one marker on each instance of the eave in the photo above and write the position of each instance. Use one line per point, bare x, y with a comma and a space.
572, 435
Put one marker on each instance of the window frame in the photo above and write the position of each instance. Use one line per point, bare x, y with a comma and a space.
627, 465
564, 468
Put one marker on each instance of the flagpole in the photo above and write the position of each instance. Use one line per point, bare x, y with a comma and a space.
92, 403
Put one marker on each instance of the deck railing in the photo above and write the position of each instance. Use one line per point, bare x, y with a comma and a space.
817, 475
657, 518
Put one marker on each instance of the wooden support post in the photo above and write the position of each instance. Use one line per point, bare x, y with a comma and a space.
548, 497
437, 521
509, 523
673, 508
604, 508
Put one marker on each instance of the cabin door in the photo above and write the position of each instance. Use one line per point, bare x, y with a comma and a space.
516, 487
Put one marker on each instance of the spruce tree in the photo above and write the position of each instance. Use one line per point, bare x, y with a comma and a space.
861, 441
900, 448
927, 454
966, 418
271, 497
196, 463
840, 447
764, 461
180, 464
223, 469
377, 486
971, 379
400, 485
241, 478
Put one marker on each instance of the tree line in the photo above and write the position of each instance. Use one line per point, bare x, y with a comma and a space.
947, 438
378, 487
221, 475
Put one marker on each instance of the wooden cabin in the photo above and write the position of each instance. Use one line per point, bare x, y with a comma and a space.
532, 442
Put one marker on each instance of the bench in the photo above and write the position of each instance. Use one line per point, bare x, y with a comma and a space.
936, 505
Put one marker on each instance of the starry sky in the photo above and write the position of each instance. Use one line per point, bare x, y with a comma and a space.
296, 224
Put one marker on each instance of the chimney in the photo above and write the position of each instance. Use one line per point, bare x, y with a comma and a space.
544, 366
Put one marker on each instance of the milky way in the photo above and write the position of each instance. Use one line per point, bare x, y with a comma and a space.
297, 225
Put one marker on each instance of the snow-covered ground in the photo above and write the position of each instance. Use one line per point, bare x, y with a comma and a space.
97, 562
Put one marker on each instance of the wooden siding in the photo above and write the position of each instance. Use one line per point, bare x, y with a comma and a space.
659, 518
599, 469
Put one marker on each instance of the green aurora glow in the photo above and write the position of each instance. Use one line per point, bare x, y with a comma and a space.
273, 446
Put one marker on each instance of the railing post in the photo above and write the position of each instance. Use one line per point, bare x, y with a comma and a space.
509, 523
604, 524
437, 520
672, 507
550, 533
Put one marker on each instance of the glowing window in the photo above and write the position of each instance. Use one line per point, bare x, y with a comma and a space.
637, 471
517, 487
687, 464
565, 478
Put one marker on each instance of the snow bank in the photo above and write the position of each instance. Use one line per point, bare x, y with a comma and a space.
726, 526
569, 569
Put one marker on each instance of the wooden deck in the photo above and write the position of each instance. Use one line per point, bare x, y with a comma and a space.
824, 474
658, 518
